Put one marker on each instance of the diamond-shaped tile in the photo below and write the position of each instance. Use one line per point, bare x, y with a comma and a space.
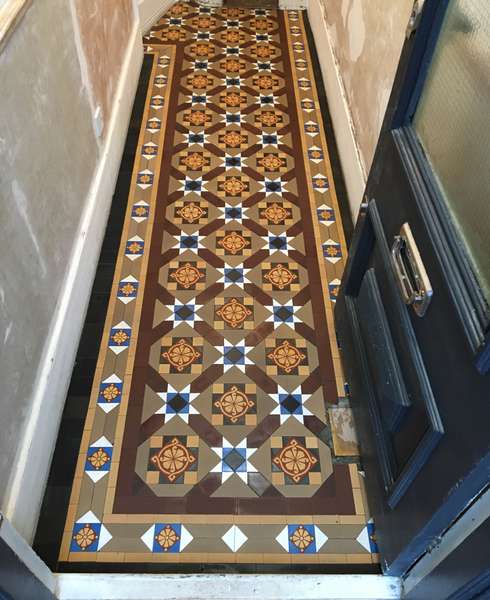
234, 538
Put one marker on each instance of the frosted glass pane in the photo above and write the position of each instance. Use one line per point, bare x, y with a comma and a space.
453, 124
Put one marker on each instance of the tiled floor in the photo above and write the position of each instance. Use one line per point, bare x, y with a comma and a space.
218, 428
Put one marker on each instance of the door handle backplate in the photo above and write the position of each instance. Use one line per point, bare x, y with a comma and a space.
411, 276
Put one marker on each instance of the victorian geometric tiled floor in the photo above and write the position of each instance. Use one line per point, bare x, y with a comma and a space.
218, 428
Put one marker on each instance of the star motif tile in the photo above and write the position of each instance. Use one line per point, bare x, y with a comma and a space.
290, 404
231, 213
184, 312
278, 243
284, 314
234, 355
230, 276
234, 460
177, 403
189, 241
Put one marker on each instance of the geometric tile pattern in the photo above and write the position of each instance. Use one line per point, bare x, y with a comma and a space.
208, 436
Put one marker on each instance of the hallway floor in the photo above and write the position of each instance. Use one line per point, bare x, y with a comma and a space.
219, 429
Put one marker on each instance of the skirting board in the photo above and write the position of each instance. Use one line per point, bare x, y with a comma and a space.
352, 167
227, 587
27, 484
151, 11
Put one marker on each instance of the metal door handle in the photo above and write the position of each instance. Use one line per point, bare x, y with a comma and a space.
410, 272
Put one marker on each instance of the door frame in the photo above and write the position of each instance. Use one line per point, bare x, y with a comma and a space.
458, 567
23, 575
416, 57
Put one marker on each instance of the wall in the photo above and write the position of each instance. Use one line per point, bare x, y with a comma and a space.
104, 27
359, 43
151, 10
48, 152
56, 183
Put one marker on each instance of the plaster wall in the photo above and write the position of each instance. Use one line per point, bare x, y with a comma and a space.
48, 152
151, 10
367, 37
104, 28
53, 172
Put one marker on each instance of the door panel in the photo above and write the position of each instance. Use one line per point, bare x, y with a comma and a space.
383, 365
419, 396
453, 112
392, 364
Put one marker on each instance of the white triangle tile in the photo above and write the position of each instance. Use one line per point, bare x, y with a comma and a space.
102, 442
104, 537
320, 538
148, 537
283, 539
108, 406
118, 349
240, 538
129, 279
113, 378
243, 477
88, 517
185, 538
363, 539
96, 476
229, 538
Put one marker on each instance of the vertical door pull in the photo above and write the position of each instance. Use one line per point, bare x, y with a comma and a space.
410, 272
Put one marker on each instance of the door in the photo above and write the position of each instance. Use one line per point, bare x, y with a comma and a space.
413, 312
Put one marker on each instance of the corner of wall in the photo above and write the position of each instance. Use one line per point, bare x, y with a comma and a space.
151, 10
345, 135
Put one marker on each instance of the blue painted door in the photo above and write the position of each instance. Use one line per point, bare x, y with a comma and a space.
413, 314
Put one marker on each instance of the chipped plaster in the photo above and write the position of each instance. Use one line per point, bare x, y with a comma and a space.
367, 38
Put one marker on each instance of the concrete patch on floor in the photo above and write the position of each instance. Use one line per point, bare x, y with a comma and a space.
343, 432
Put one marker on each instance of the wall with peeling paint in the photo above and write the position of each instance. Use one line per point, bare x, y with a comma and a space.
367, 37
53, 67
104, 27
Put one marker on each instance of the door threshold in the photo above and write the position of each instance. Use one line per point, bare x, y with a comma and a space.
74, 586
